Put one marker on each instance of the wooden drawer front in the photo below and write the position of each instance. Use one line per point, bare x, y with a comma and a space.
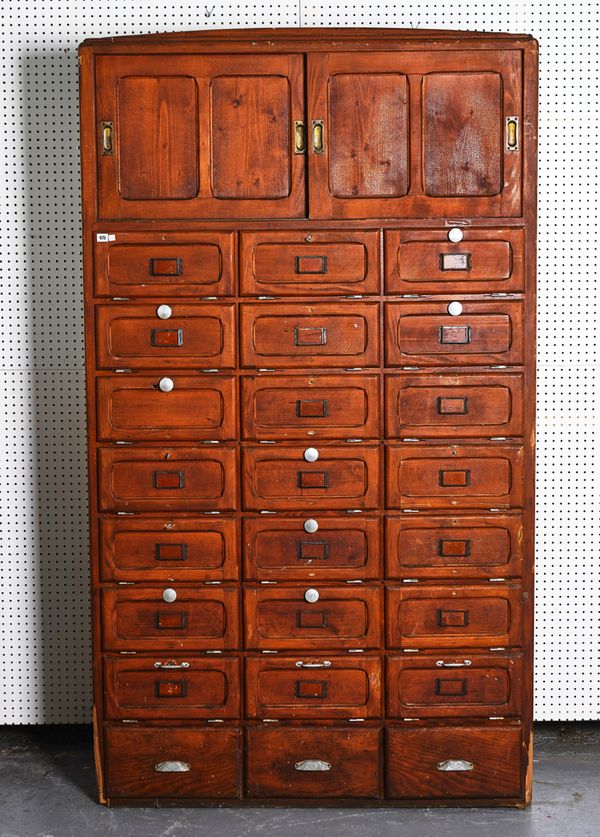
151, 687
134, 408
445, 405
314, 406
179, 549
139, 619
453, 762
343, 617
168, 762
341, 478
426, 262
455, 476
318, 762
290, 262
425, 334
134, 336
466, 546
165, 264
470, 686
290, 688
341, 548
291, 335
453, 616
153, 479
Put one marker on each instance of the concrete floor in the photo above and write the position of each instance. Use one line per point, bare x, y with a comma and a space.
47, 789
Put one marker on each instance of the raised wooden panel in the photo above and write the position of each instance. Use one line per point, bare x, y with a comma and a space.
455, 476
454, 686
169, 264
174, 549
423, 405
310, 407
454, 616
134, 408
426, 262
139, 619
294, 335
462, 134
155, 479
281, 548
461, 546
195, 336
321, 262
192, 688
342, 617
312, 687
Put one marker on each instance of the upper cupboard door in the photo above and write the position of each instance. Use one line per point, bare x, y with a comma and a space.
414, 133
196, 136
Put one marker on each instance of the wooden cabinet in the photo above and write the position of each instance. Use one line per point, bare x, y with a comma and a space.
310, 310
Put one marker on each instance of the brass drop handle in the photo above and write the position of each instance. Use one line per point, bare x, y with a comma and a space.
299, 137
107, 138
318, 136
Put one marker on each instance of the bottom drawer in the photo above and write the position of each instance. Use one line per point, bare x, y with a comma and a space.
314, 762
172, 762
453, 762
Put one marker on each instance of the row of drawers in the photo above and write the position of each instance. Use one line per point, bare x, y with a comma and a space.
291, 335
286, 477
281, 688
322, 548
297, 262
134, 407
297, 617
422, 762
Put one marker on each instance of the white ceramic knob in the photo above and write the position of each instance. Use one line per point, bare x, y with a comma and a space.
311, 454
166, 384
169, 595
455, 309
163, 312
312, 595
455, 235
310, 525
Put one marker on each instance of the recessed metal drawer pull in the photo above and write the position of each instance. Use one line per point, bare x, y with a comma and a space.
454, 765
444, 664
172, 767
324, 664
312, 765
170, 666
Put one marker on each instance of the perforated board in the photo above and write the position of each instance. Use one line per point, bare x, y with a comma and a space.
44, 613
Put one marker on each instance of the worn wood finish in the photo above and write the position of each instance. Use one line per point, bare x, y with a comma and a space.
270, 257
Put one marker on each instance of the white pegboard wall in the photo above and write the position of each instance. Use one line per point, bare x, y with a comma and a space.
44, 612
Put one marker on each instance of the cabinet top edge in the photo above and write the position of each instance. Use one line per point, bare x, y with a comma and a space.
307, 36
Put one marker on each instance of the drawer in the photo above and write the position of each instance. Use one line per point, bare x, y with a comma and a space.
169, 264
315, 762
455, 476
342, 617
313, 406
425, 334
465, 546
194, 336
473, 686
311, 687
426, 262
323, 262
424, 405
134, 408
280, 478
147, 688
156, 479
178, 549
454, 616
172, 762
340, 548
463, 762
139, 619
290, 335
